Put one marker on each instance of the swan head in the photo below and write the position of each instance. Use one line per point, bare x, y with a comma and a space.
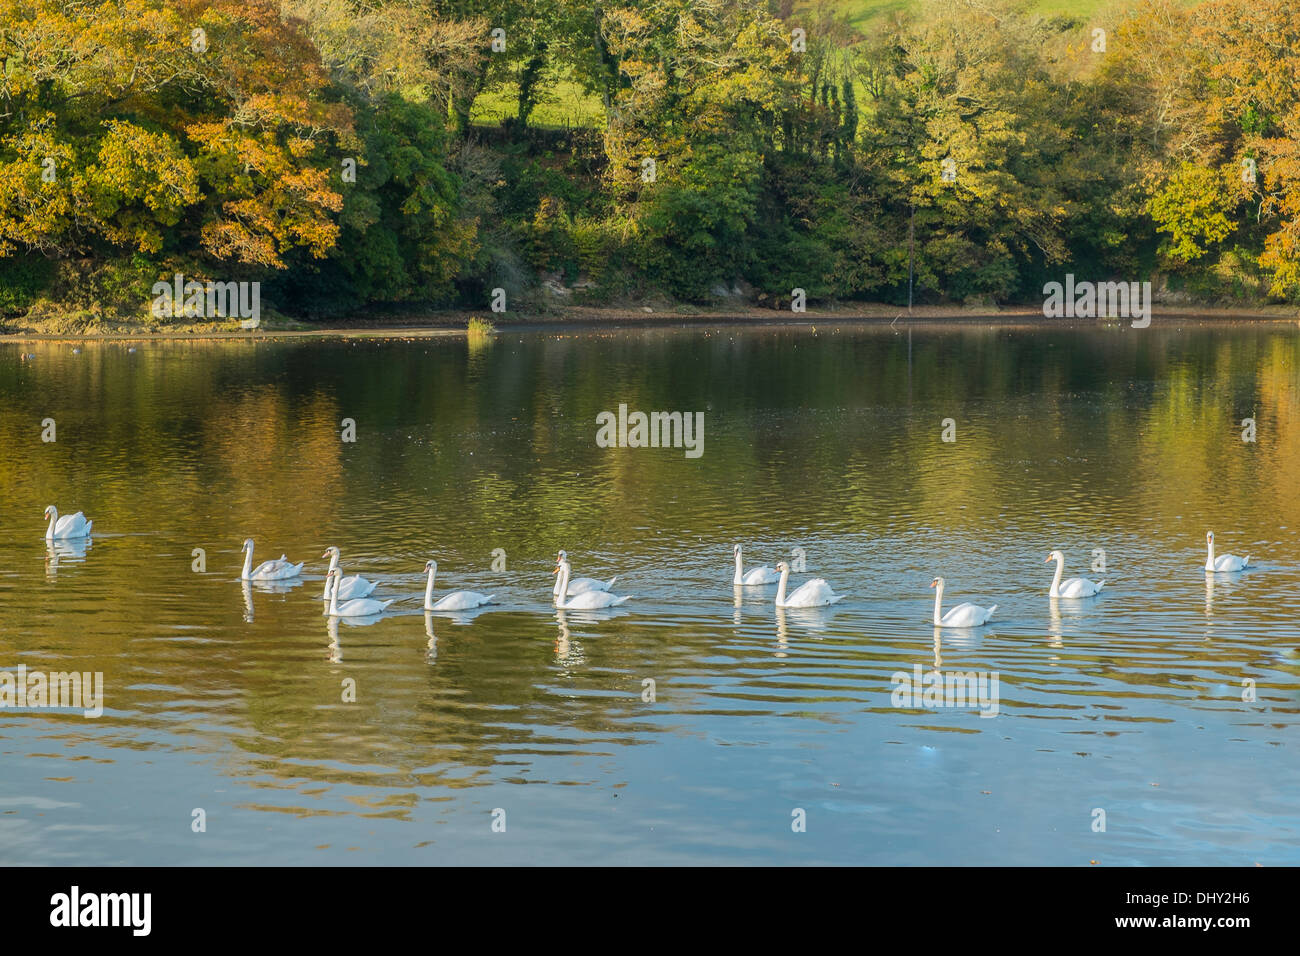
49, 510
331, 552
735, 549
248, 545
937, 583
782, 567
1209, 537
431, 565
1054, 556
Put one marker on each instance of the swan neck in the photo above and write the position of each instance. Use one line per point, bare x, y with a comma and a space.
334, 563
780, 588
562, 585
1209, 561
740, 573
1056, 579
938, 603
334, 596
248, 564
428, 590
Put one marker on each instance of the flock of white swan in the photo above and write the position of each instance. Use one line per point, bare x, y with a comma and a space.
570, 593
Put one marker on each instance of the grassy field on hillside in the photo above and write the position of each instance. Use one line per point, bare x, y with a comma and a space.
565, 103
862, 13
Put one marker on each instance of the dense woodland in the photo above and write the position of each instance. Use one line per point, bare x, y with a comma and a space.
371, 154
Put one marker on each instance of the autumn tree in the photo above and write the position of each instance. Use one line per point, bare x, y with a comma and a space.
184, 132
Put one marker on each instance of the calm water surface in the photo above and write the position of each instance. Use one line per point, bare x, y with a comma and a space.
230, 698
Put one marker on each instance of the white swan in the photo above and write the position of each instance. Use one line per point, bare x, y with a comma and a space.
587, 600
349, 587
357, 607
1224, 562
276, 569
579, 585
69, 526
763, 575
456, 600
963, 615
1074, 587
814, 593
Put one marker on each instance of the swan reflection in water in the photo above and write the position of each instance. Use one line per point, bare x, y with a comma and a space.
69, 550
332, 628
957, 637
461, 618
335, 655
431, 652
264, 587
759, 598
812, 620
567, 651
962, 637
596, 616
274, 587
1055, 628
1219, 584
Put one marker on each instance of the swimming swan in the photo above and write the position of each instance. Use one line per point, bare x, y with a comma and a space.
357, 607
1225, 562
1074, 587
580, 585
764, 575
814, 593
963, 615
69, 526
587, 600
349, 587
275, 570
456, 600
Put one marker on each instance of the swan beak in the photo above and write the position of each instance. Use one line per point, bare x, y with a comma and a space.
931, 584
556, 571
1047, 559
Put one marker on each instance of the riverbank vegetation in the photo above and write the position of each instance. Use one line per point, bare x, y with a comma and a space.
395, 154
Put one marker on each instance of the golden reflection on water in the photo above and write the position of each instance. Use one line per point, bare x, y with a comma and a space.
231, 693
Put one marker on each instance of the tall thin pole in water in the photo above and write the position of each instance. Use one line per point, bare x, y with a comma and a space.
909, 363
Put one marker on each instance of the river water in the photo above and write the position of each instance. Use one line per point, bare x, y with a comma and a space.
1155, 724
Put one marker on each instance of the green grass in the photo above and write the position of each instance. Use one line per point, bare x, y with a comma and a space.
563, 103
863, 13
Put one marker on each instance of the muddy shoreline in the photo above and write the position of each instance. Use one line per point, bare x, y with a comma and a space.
453, 323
